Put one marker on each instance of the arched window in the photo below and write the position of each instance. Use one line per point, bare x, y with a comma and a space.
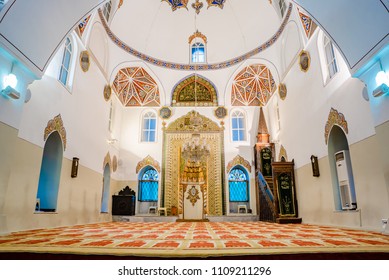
332, 66
197, 47
238, 127
50, 174
198, 53
64, 73
107, 10
106, 187
238, 185
282, 5
149, 126
148, 185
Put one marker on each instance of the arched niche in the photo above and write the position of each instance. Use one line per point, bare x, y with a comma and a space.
50, 174
195, 90
337, 142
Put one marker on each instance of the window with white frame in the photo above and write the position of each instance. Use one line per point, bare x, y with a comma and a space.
149, 126
332, 66
107, 10
198, 53
64, 72
238, 127
197, 48
282, 5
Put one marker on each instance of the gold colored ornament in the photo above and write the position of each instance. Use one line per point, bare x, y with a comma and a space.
56, 124
107, 92
282, 91
193, 195
304, 61
84, 61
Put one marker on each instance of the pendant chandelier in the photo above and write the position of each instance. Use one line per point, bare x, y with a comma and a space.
194, 149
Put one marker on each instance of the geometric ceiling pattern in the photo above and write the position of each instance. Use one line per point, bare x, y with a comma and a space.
253, 86
135, 87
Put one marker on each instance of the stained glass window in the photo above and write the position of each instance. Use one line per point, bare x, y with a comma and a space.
238, 185
148, 185
65, 66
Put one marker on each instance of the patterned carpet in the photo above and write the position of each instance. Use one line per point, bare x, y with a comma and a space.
196, 239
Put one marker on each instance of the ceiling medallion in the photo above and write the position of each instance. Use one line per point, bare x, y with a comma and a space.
197, 6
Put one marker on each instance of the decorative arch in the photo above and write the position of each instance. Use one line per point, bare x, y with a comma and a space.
252, 86
176, 134
335, 118
148, 161
56, 124
50, 173
135, 87
184, 92
107, 160
282, 154
238, 160
197, 34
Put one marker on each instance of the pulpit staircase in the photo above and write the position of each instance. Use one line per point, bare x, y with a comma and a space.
267, 210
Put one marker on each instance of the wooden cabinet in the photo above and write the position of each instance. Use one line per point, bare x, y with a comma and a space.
123, 205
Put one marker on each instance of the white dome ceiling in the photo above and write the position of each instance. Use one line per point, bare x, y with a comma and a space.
153, 28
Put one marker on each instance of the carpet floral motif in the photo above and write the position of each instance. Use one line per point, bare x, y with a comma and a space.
186, 238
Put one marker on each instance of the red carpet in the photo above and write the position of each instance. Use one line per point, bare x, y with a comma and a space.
193, 239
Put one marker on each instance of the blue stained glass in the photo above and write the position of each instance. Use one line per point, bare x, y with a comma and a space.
148, 186
238, 185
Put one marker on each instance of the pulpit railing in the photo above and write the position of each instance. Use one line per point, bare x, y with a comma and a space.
267, 211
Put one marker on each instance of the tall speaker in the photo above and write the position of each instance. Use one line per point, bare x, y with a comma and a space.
123, 205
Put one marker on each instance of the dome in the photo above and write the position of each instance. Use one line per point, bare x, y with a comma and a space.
162, 29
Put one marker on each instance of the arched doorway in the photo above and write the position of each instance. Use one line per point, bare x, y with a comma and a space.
48, 186
106, 187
